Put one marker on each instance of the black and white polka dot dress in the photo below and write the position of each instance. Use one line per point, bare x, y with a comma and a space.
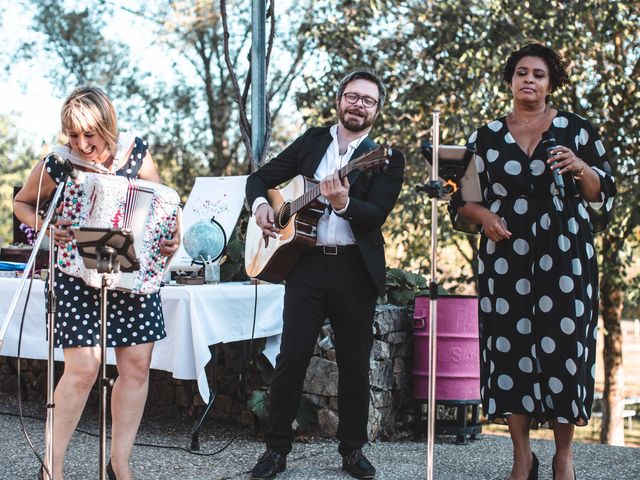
132, 319
538, 290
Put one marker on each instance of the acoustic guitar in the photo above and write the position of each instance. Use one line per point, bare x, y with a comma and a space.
297, 211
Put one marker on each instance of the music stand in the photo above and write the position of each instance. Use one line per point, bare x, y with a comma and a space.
108, 250
456, 171
444, 180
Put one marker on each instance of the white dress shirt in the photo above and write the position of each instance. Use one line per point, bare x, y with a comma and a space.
332, 229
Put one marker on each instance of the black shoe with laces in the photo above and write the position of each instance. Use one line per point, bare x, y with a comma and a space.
357, 465
269, 465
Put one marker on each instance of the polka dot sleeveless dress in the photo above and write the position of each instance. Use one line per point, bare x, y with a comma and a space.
538, 290
131, 319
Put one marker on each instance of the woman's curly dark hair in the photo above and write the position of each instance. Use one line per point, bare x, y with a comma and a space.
557, 67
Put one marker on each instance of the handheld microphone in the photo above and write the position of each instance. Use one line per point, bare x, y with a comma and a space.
67, 166
549, 143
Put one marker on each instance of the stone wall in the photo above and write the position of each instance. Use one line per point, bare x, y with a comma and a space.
391, 406
390, 376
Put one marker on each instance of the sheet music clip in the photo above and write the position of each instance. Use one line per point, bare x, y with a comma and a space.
457, 171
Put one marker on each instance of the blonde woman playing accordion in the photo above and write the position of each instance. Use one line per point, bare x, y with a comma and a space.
134, 321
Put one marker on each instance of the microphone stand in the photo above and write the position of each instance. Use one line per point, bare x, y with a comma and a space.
450, 167
433, 301
48, 224
435, 190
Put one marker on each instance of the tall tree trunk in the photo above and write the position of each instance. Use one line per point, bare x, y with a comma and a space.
612, 296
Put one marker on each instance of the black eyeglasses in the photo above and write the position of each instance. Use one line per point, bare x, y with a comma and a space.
353, 98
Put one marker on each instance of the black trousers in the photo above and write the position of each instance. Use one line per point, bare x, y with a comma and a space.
338, 287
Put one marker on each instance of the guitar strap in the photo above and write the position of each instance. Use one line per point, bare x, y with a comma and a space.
365, 147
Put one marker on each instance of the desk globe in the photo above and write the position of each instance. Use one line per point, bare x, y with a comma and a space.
205, 241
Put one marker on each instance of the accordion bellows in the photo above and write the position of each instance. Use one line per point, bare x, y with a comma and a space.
146, 208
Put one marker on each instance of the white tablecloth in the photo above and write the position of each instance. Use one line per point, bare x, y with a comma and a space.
195, 317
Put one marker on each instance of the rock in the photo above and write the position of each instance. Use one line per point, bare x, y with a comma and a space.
330, 355
390, 318
381, 374
327, 422
318, 400
396, 337
381, 399
322, 377
399, 365
380, 350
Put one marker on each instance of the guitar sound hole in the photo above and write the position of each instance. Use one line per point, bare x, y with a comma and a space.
284, 215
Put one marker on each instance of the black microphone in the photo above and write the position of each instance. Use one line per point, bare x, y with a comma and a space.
67, 166
549, 143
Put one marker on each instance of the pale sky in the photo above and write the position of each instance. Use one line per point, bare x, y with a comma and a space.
35, 105
27, 92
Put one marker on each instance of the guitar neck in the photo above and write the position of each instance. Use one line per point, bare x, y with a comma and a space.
314, 192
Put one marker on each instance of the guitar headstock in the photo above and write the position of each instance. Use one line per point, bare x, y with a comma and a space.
379, 157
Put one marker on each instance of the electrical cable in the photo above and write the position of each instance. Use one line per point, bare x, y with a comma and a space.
21, 330
138, 444
19, 389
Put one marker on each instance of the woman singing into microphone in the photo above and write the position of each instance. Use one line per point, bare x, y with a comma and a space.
537, 269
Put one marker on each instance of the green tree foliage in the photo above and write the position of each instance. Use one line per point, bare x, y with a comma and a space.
16, 160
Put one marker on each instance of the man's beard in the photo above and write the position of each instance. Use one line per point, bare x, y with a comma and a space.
355, 125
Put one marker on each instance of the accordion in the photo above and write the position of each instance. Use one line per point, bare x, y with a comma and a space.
146, 208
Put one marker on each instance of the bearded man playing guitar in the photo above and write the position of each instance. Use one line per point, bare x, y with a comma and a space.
339, 278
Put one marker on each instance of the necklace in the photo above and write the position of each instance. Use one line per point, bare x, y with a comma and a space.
526, 122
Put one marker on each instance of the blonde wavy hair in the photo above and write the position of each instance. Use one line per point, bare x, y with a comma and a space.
88, 109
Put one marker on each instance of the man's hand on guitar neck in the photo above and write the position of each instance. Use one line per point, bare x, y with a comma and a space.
266, 218
336, 191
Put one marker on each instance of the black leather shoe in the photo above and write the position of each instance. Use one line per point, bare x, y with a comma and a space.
269, 465
110, 473
357, 465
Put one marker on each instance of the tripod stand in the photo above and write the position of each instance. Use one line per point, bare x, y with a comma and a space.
442, 182
108, 251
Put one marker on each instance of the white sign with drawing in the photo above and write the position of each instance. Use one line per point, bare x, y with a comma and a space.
208, 219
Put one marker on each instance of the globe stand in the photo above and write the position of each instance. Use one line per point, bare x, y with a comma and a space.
105, 250
207, 254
